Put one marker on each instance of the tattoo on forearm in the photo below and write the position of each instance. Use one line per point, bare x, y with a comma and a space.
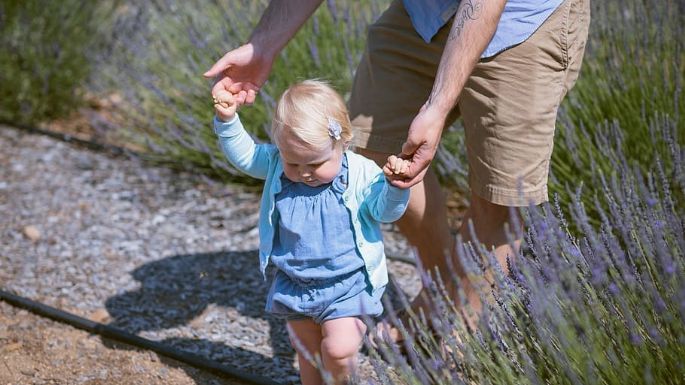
468, 10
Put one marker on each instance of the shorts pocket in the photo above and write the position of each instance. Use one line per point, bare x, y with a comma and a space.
565, 19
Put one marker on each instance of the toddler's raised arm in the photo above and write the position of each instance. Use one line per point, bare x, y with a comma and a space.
240, 149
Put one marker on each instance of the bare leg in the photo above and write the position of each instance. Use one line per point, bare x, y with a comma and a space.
489, 221
306, 334
342, 338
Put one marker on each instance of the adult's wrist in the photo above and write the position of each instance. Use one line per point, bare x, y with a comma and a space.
267, 47
438, 109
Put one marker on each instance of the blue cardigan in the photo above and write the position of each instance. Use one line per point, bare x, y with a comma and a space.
369, 197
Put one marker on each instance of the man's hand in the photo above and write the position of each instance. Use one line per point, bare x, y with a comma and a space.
241, 72
422, 143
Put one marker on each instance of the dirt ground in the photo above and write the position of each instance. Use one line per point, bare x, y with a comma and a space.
35, 350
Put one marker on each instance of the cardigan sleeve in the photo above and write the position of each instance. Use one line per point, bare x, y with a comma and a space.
241, 150
385, 202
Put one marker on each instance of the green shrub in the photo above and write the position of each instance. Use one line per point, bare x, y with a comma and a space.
45, 62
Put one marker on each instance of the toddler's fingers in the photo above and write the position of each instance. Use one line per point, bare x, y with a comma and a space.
222, 94
404, 166
391, 162
241, 97
224, 97
397, 166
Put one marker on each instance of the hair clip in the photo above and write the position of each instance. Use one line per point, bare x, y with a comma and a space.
334, 128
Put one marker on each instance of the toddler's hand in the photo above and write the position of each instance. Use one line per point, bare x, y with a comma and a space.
395, 167
225, 105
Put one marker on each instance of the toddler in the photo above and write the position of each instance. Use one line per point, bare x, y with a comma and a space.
319, 225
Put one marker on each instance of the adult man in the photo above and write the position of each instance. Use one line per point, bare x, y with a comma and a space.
504, 66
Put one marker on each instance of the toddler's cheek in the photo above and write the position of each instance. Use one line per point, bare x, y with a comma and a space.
329, 174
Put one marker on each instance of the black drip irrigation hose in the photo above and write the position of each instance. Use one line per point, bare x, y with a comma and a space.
117, 334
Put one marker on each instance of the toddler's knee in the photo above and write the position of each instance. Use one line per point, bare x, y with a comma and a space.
338, 350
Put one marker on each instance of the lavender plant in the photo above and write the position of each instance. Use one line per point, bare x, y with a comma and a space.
602, 304
163, 49
630, 88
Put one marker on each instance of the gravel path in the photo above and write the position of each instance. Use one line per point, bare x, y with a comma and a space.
169, 256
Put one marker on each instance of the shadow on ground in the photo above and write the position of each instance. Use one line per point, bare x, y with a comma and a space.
197, 291
177, 291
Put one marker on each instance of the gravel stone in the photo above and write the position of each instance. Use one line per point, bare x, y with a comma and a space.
165, 255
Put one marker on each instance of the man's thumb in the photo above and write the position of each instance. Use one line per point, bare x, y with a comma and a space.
217, 68
409, 147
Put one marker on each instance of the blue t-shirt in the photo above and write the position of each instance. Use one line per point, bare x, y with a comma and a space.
519, 20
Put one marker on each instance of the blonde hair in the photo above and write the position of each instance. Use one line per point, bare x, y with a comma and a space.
305, 110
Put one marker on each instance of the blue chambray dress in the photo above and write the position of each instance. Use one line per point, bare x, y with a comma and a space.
318, 272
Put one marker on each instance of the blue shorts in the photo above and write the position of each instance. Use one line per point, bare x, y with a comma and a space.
323, 300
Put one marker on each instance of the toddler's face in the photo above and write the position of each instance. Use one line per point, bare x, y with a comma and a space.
304, 165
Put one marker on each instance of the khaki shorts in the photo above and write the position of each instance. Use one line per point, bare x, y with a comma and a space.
508, 106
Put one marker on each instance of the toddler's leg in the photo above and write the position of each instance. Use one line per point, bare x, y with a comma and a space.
306, 334
341, 341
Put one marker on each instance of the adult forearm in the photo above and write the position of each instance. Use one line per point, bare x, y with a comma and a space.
473, 27
280, 22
